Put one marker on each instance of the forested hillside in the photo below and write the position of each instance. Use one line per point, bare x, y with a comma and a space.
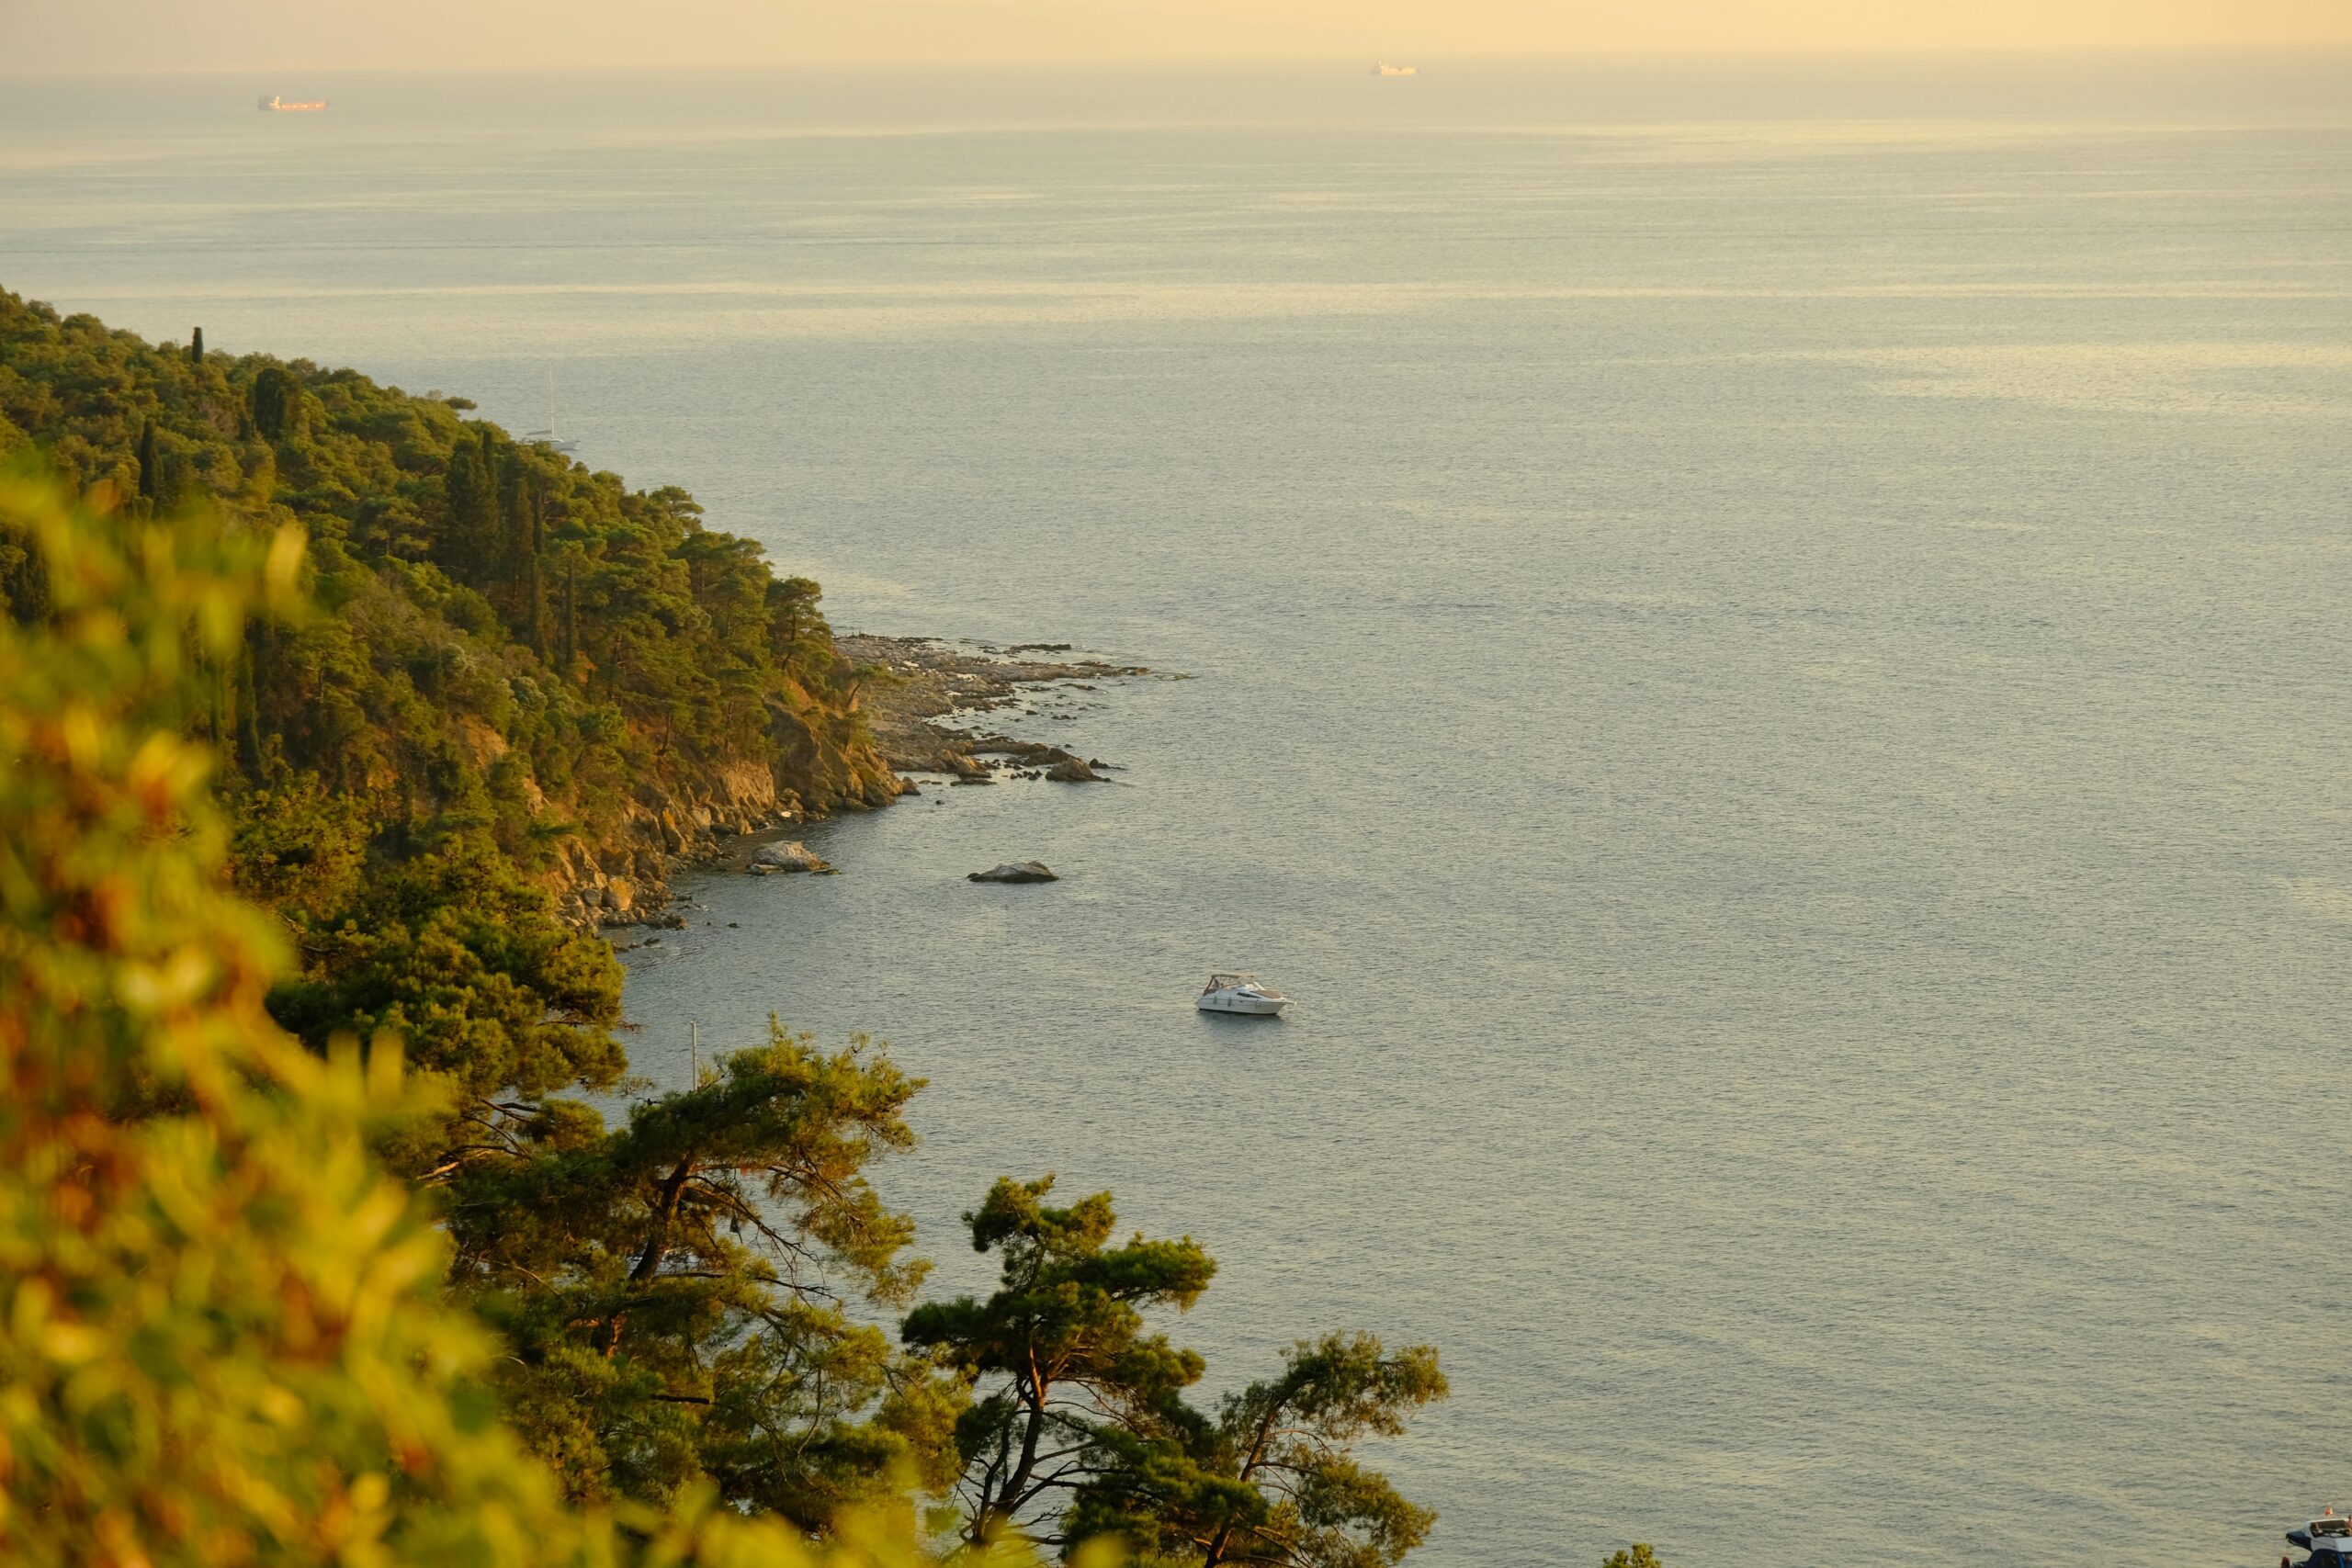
509, 642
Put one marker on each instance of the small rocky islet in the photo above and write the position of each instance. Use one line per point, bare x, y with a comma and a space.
1015, 872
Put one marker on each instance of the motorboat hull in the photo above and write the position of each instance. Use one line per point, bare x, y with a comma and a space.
1256, 1006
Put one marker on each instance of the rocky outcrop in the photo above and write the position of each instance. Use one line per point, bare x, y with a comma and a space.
1014, 871
931, 680
786, 857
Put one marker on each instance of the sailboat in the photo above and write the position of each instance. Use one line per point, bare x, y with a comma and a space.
547, 437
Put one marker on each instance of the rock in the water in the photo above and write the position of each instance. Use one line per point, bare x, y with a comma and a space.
1015, 871
1071, 771
792, 856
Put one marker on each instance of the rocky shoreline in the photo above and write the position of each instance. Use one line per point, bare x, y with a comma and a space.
932, 680
925, 686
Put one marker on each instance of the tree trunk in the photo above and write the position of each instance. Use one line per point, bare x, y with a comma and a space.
657, 1241
657, 1246
1000, 1509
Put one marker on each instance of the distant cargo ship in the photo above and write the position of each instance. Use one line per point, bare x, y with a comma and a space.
1385, 69
274, 104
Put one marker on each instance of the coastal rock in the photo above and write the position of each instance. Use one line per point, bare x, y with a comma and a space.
1069, 769
792, 856
1014, 871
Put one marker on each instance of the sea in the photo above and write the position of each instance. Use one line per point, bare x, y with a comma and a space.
1759, 644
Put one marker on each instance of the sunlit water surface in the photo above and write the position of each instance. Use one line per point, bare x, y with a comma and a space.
1768, 664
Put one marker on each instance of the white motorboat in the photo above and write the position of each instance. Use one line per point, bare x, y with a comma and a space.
2328, 1538
1240, 993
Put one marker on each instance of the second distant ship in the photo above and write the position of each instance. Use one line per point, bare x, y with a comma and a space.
275, 105
1385, 69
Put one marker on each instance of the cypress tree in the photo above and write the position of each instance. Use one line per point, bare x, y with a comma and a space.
196, 348
467, 544
518, 539
517, 565
535, 608
24, 582
571, 613
248, 715
533, 577
275, 397
150, 477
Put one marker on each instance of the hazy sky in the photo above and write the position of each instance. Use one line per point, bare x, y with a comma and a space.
83, 34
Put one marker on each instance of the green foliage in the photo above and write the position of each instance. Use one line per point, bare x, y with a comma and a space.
151, 466
231, 1336
1274, 1478
459, 565
1082, 1432
455, 952
277, 396
675, 1289
222, 1342
223, 1339
1061, 1346
1640, 1556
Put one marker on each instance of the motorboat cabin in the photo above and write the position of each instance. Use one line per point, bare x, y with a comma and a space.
2328, 1540
1240, 993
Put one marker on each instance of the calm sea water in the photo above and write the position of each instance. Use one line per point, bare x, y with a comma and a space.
1768, 664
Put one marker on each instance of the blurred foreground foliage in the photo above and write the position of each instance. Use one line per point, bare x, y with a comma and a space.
223, 1339
308, 1251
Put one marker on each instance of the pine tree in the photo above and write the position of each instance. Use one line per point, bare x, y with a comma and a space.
690, 1272
1082, 1432
1063, 1342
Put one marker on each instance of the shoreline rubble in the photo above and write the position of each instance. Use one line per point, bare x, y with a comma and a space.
935, 679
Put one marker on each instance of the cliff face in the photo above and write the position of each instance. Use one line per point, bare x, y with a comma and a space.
621, 874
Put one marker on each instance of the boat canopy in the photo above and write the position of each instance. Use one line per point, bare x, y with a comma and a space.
1222, 981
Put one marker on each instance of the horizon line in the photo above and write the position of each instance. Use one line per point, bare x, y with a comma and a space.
2303, 50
